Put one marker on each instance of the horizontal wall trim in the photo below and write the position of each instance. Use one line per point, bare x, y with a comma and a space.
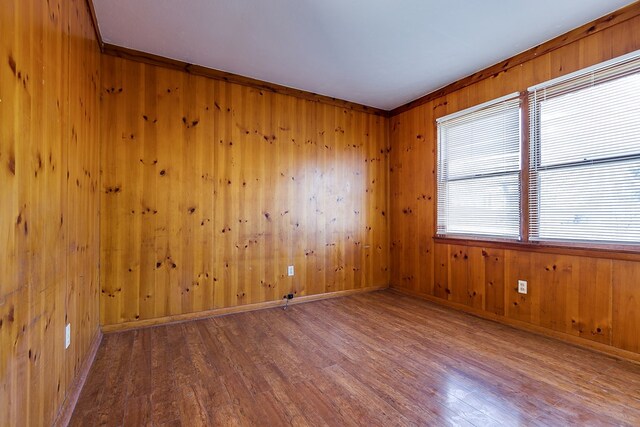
629, 57
74, 390
179, 318
614, 18
517, 324
161, 61
618, 252
478, 107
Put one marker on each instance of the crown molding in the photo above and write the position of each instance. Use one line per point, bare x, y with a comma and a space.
593, 27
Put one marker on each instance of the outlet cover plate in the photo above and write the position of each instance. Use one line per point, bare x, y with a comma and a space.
290, 270
522, 286
67, 335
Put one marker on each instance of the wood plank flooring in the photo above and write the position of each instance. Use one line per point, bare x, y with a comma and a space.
372, 359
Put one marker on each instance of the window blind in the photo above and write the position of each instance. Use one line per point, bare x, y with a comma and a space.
479, 170
584, 173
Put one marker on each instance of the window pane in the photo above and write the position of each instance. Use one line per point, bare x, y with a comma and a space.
593, 123
488, 143
479, 170
484, 206
594, 202
585, 155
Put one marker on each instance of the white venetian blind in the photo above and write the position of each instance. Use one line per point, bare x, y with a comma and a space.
584, 174
479, 170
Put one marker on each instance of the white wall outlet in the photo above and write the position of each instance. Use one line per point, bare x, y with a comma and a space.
522, 286
67, 335
290, 270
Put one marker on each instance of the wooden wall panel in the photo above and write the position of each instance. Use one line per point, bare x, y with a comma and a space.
494, 280
626, 306
413, 197
210, 190
593, 278
49, 170
82, 183
593, 298
519, 265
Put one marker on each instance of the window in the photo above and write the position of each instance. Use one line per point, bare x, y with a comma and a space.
584, 172
583, 150
479, 170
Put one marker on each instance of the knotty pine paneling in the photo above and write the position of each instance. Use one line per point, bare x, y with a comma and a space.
210, 189
49, 200
596, 299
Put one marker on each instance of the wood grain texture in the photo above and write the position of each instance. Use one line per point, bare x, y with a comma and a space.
595, 250
587, 30
210, 189
198, 70
574, 293
379, 358
49, 172
626, 306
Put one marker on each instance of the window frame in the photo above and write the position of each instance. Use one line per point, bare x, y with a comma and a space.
597, 249
470, 110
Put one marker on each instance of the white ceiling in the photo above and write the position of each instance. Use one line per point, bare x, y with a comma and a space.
380, 53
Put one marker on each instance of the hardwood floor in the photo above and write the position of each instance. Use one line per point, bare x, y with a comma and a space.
372, 359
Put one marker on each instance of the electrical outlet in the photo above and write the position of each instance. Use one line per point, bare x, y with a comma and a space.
67, 336
290, 270
522, 286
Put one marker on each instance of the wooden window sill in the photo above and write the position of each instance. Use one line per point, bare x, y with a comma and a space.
619, 252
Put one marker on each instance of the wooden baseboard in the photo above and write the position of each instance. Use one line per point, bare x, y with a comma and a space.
147, 323
73, 393
518, 324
